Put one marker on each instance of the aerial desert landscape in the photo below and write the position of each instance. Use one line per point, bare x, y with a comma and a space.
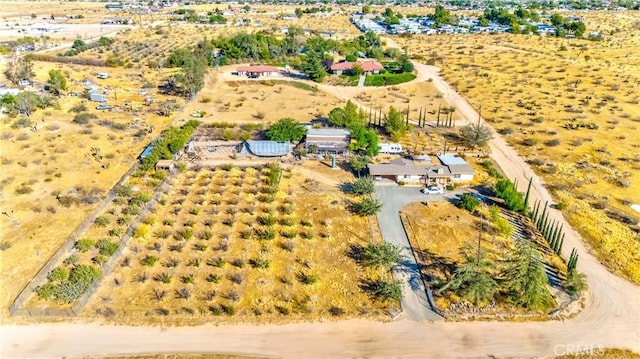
243, 180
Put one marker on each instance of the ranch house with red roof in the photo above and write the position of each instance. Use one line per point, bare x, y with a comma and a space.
368, 67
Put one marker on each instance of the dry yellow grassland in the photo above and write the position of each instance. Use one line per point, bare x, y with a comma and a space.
535, 93
224, 211
58, 158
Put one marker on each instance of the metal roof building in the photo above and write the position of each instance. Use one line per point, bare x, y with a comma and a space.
449, 160
264, 148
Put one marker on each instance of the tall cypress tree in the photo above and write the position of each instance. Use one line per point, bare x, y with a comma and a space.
534, 214
526, 196
438, 121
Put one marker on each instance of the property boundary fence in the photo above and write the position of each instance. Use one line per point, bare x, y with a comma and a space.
16, 307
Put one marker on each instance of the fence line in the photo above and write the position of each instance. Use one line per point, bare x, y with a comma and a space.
41, 276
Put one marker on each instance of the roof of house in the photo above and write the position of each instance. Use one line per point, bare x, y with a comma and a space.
452, 160
260, 68
327, 132
265, 148
397, 167
465, 169
367, 66
164, 163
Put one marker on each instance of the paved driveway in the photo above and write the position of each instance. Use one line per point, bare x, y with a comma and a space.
414, 302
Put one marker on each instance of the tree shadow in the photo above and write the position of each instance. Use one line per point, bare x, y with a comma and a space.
356, 252
434, 269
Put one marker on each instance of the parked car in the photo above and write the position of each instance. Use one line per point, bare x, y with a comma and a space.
103, 75
143, 92
432, 190
103, 107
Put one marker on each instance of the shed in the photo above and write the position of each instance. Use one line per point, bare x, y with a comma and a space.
327, 140
164, 165
97, 97
264, 148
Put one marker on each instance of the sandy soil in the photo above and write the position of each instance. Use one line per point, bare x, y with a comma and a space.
609, 320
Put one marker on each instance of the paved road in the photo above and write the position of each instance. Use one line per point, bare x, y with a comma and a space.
414, 302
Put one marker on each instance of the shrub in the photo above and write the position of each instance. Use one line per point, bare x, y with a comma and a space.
261, 263
83, 118
213, 278
149, 261
505, 189
83, 245
366, 207
102, 221
308, 278
552, 143
363, 185
106, 247
58, 274
468, 201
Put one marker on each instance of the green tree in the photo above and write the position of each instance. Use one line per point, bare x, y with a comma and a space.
362, 185
57, 82
394, 124
441, 16
27, 102
468, 201
286, 129
19, 68
473, 280
475, 136
347, 116
368, 206
384, 255
389, 290
524, 278
576, 282
314, 69
366, 9
358, 163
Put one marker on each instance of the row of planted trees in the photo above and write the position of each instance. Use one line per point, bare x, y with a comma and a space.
551, 231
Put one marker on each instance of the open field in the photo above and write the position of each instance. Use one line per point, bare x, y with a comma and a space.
573, 114
226, 246
55, 170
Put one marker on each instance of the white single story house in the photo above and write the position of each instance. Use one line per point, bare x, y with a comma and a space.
399, 170
257, 71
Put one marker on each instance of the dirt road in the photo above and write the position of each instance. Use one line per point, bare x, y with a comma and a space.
611, 318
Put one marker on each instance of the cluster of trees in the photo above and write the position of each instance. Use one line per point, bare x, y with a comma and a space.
442, 16
26, 102
286, 129
19, 68
395, 125
68, 285
564, 26
383, 256
363, 139
520, 280
312, 10
193, 63
80, 46
513, 199
173, 139
57, 82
